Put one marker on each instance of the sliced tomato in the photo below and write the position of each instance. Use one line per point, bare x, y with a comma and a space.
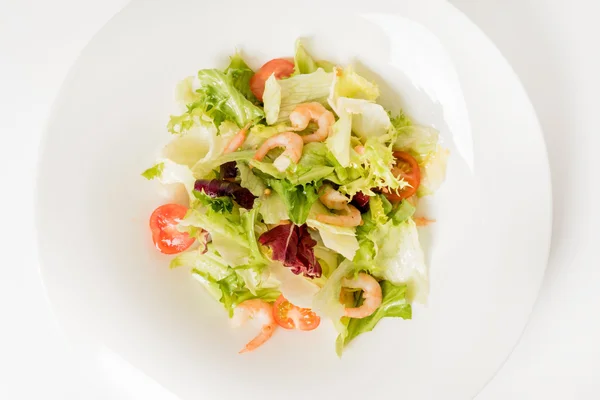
281, 67
163, 224
289, 316
408, 169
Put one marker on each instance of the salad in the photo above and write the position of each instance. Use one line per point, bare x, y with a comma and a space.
299, 196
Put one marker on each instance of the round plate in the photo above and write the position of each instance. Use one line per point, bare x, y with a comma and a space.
487, 252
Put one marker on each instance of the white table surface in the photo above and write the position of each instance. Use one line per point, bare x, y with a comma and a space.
551, 44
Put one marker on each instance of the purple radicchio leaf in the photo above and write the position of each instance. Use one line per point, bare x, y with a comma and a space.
218, 188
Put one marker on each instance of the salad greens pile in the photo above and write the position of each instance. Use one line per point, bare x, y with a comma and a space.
258, 230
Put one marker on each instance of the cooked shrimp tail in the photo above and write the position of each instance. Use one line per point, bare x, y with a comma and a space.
333, 199
371, 291
306, 112
238, 140
256, 308
349, 218
293, 144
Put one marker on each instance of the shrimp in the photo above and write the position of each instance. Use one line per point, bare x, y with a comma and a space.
293, 149
306, 112
371, 294
238, 140
256, 308
422, 221
360, 149
350, 217
333, 199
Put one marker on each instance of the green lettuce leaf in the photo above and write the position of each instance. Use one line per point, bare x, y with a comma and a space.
167, 172
315, 164
233, 234
185, 93
273, 209
303, 62
154, 171
368, 119
192, 117
220, 100
230, 286
338, 141
203, 168
199, 142
239, 74
374, 170
377, 207
394, 304
250, 181
259, 133
327, 300
272, 99
347, 83
400, 261
433, 171
303, 88
222, 204
418, 140
338, 238
326, 66
298, 199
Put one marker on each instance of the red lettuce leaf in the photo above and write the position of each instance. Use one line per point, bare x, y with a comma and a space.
218, 188
228, 171
292, 245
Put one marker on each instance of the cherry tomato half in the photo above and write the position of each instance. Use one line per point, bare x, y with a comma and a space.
406, 168
163, 224
289, 316
281, 67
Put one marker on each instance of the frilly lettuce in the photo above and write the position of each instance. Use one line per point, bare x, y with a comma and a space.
220, 100
228, 285
374, 169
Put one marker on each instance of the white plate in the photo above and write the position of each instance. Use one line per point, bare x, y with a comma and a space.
487, 253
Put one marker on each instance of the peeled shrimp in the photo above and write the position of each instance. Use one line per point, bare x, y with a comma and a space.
293, 149
256, 308
350, 217
238, 140
307, 112
371, 295
422, 221
333, 199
